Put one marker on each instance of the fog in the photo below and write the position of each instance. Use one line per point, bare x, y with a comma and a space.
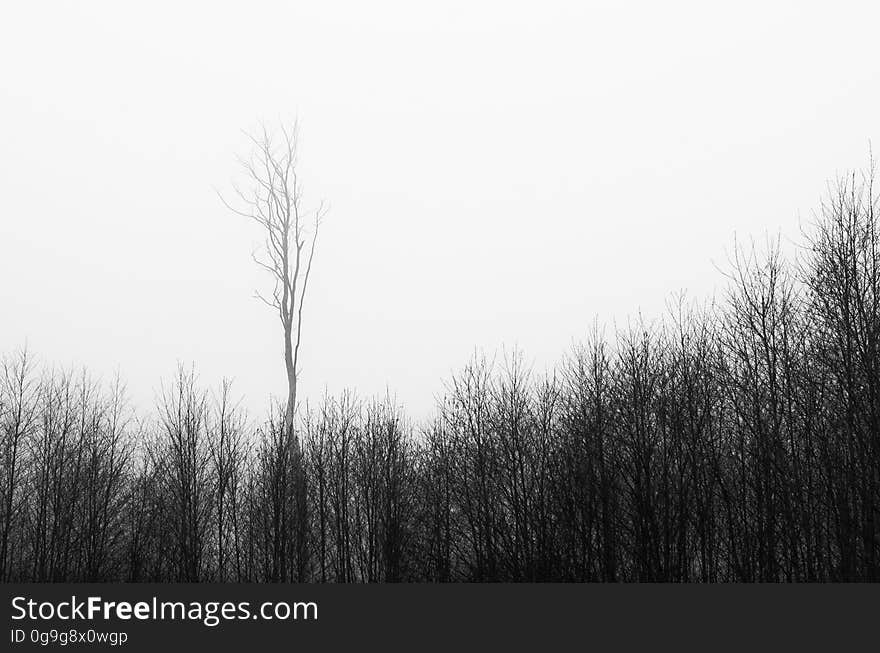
497, 174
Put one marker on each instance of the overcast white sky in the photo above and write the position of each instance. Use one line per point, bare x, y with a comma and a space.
498, 173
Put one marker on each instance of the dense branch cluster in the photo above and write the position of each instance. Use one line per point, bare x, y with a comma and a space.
736, 442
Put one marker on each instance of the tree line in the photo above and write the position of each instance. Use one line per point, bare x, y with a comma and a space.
733, 441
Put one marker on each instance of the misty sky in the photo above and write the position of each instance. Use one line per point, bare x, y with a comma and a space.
497, 173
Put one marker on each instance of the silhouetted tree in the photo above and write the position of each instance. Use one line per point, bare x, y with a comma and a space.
274, 202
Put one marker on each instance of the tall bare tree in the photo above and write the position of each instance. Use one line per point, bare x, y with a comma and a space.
274, 201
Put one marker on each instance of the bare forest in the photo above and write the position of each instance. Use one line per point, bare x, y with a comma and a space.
730, 440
